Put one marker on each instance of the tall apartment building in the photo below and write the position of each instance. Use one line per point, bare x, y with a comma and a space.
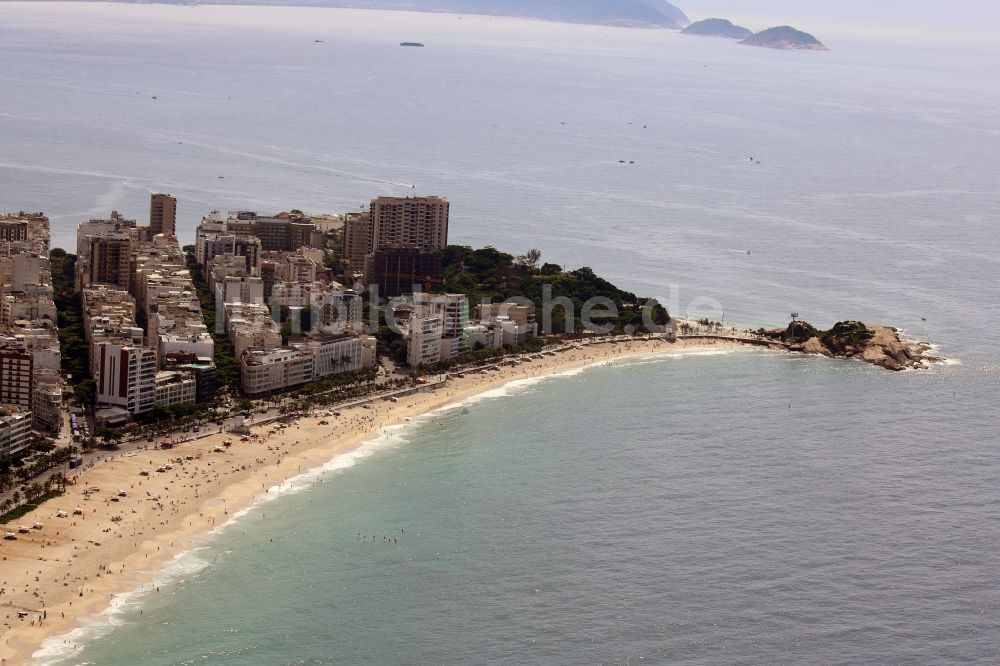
454, 312
424, 340
358, 242
126, 376
453, 308
402, 270
420, 222
16, 377
117, 226
46, 403
162, 215
109, 260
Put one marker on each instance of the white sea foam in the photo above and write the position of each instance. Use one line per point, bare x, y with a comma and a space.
934, 351
387, 437
60, 648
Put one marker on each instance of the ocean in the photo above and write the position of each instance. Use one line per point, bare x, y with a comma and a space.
742, 507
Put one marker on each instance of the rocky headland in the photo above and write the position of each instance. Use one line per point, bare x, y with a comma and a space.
878, 345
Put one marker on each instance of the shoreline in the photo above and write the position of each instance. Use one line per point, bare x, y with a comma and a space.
68, 575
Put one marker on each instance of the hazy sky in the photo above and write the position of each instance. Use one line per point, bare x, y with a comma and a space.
978, 19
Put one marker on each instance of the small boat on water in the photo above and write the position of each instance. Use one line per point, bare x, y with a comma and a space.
418, 44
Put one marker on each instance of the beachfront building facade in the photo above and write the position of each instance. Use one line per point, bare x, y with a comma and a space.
517, 322
309, 359
423, 346
334, 354
126, 376
175, 388
454, 312
46, 403
15, 430
201, 370
265, 370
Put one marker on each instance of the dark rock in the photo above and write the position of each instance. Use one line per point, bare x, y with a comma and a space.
785, 37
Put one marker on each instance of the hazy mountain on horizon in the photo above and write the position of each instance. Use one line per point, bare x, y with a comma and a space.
639, 13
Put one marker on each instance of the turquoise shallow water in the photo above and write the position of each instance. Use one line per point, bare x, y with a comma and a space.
743, 508
646, 510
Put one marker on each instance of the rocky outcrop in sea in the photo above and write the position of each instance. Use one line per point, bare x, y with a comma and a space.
879, 345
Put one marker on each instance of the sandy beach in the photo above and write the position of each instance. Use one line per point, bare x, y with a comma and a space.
133, 519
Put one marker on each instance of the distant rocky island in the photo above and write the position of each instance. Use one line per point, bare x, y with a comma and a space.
629, 13
715, 27
878, 345
785, 37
